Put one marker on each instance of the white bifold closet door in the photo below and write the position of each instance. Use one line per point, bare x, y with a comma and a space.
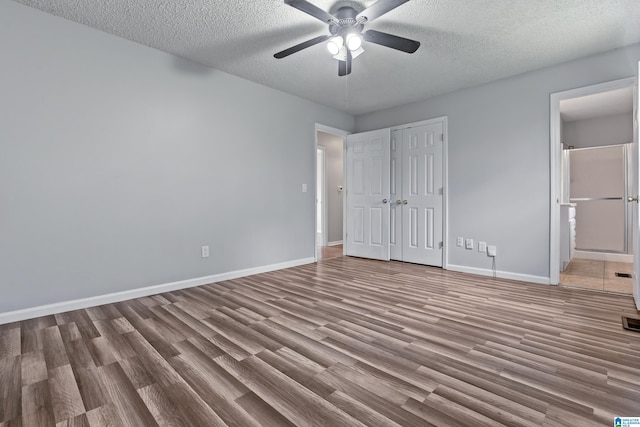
416, 190
367, 167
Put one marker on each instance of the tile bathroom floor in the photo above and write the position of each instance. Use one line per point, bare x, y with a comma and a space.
599, 275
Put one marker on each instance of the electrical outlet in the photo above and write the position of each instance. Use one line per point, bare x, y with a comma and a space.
468, 244
482, 246
304, 188
460, 241
205, 252
491, 251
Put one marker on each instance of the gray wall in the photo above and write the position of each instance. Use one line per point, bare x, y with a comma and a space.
118, 162
499, 185
608, 130
335, 177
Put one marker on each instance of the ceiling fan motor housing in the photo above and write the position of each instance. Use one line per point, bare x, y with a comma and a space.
346, 22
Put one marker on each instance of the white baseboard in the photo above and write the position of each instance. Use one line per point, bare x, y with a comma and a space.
60, 307
336, 243
500, 274
603, 256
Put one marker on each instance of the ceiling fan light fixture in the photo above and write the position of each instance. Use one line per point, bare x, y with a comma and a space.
346, 36
342, 54
354, 41
356, 53
335, 44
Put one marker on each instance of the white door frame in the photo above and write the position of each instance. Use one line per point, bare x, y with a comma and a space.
445, 179
555, 150
325, 207
635, 185
336, 132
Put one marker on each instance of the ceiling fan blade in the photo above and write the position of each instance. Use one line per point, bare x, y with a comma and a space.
344, 67
389, 40
312, 10
299, 47
377, 9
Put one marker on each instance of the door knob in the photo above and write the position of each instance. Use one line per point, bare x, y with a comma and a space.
398, 202
632, 199
384, 201
404, 202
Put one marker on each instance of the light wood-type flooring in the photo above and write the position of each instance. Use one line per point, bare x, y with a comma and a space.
326, 252
343, 342
598, 275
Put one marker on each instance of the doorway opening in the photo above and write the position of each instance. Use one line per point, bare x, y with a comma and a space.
329, 144
592, 139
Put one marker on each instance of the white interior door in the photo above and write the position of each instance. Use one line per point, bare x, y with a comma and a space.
395, 189
422, 194
635, 184
367, 198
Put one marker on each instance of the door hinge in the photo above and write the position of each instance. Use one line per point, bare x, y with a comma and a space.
442, 137
441, 191
441, 245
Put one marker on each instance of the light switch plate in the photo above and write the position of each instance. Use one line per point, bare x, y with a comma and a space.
482, 246
468, 244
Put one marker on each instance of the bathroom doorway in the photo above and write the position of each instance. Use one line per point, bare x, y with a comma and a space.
596, 242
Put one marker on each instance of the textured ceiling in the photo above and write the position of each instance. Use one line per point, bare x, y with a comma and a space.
602, 104
464, 42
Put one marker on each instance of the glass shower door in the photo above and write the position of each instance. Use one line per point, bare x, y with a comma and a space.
599, 190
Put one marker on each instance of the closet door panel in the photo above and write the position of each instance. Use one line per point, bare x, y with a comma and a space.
422, 190
395, 238
367, 194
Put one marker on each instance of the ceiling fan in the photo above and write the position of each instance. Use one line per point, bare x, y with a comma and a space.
346, 35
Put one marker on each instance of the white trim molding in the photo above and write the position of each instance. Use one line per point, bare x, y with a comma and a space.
336, 243
60, 307
331, 130
500, 274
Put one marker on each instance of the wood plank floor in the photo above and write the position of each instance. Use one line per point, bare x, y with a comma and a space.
344, 342
326, 252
